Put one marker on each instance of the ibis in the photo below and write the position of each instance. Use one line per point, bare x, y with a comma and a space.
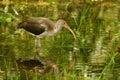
43, 27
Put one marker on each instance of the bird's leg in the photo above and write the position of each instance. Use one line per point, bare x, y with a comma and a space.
37, 46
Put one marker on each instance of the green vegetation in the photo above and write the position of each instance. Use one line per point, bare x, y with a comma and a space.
96, 49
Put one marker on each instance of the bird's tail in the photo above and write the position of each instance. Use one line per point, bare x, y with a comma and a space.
19, 25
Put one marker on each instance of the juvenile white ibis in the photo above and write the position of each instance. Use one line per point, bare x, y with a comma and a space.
44, 27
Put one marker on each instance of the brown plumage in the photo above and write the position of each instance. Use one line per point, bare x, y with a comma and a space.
35, 25
44, 26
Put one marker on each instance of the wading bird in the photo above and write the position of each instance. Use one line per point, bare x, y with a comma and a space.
43, 27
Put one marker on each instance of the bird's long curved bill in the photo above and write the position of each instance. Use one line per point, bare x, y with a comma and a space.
67, 27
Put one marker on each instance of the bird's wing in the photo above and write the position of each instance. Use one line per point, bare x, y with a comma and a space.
34, 26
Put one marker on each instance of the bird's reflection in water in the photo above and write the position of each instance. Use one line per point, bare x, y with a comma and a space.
41, 67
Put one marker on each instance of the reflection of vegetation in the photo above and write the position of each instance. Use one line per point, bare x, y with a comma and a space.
96, 26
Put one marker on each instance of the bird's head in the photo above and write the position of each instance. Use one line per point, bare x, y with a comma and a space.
65, 25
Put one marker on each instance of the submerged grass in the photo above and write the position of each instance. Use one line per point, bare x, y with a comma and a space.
8, 69
109, 66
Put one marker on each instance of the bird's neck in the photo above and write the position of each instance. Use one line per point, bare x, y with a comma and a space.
58, 27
